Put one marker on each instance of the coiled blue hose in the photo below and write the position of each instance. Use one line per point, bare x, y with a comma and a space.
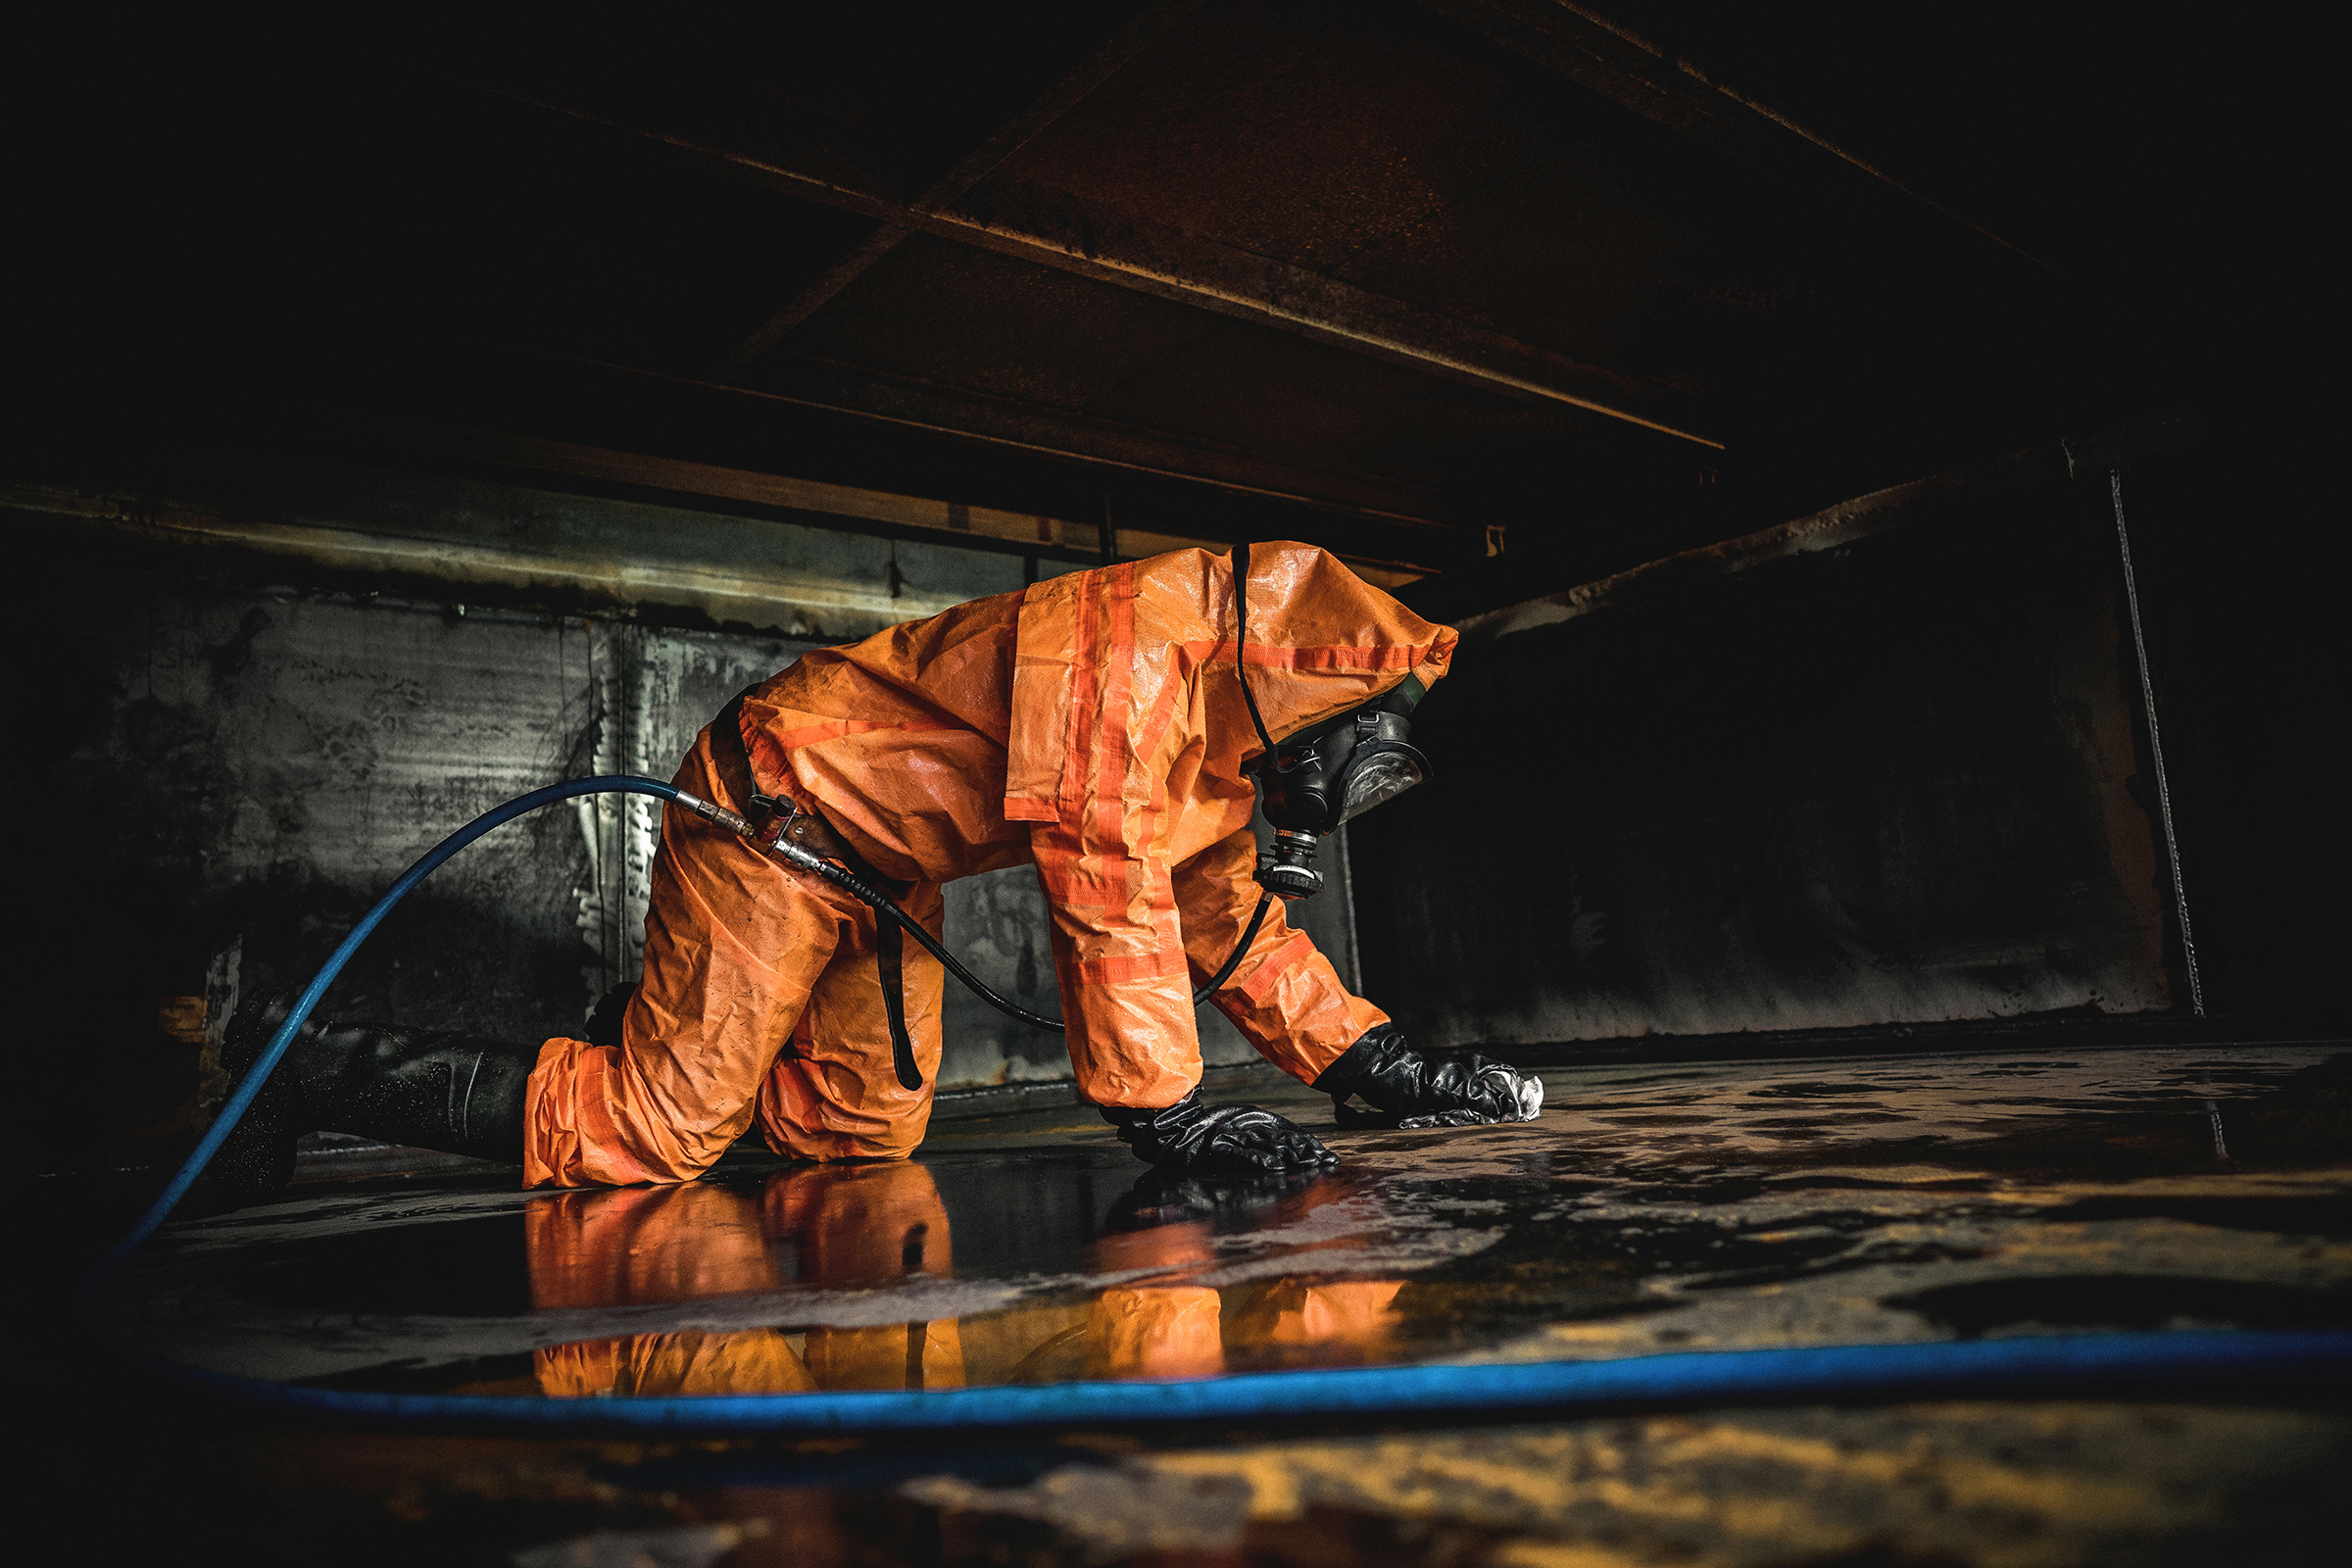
2108, 1362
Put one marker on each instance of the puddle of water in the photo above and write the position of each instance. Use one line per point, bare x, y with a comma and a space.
1052, 1258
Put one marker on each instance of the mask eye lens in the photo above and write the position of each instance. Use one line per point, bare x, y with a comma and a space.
1382, 776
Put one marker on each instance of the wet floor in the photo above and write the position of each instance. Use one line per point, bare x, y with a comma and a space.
1837, 1201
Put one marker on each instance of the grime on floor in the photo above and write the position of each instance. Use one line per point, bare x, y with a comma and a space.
1654, 1207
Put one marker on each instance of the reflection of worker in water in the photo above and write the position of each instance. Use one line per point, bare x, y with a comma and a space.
1097, 726
1165, 1326
858, 1226
866, 1226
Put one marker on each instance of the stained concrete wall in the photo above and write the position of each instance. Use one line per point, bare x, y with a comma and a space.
1889, 782
253, 746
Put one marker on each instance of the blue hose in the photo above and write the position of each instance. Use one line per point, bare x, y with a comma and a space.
242, 1097
2307, 1363
2107, 1362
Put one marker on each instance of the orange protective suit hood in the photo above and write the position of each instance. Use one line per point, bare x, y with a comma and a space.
1321, 642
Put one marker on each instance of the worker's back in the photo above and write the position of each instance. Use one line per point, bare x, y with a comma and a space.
935, 745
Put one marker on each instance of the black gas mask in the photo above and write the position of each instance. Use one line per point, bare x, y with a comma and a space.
1314, 781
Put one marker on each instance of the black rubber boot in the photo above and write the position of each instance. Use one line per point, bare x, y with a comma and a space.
422, 1087
604, 1019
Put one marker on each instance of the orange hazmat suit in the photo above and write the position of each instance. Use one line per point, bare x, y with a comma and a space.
1093, 726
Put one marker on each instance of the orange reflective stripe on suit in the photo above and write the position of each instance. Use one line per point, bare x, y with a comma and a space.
1092, 725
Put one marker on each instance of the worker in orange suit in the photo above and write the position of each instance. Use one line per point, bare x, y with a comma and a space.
1113, 728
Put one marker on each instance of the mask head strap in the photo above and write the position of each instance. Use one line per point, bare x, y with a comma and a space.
1241, 641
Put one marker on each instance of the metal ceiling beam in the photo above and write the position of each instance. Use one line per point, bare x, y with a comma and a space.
949, 522
1058, 232
1072, 235
904, 400
1580, 44
1397, 509
812, 297
884, 513
1941, 497
983, 161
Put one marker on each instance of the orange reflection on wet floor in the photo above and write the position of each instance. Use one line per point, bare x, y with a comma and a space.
891, 1355
756, 1361
1154, 1330
1338, 1314
859, 1227
1163, 1247
852, 1226
638, 1246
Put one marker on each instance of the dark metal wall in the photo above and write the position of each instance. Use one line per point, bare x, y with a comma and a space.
253, 751
1892, 781
265, 762
2234, 540
1901, 777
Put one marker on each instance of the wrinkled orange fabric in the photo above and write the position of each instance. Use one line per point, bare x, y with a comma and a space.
760, 1000
1092, 725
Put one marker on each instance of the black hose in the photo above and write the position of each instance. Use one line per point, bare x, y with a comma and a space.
242, 1096
858, 888
1257, 917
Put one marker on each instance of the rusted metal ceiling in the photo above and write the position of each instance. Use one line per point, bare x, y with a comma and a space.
1388, 275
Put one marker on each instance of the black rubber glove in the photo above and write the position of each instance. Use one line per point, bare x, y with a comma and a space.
1411, 1090
1217, 1140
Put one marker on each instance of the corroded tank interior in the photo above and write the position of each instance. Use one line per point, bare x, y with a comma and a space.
1877, 462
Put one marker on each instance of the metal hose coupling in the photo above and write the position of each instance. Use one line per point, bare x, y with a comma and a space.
801, 858
1289, 868
713, 811
782, 849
